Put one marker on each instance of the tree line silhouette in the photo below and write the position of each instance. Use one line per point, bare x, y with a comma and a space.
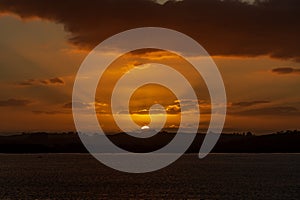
69, 142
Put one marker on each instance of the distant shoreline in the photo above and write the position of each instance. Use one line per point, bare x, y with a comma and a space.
282, 142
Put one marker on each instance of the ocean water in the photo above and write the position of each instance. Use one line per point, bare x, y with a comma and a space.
218, 176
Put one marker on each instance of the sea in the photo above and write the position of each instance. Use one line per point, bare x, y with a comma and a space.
217, 176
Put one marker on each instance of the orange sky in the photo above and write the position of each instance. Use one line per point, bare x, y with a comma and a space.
38, 64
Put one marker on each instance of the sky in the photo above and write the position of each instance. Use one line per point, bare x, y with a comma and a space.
255, 45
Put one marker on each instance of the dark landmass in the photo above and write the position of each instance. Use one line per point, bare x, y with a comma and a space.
281, 142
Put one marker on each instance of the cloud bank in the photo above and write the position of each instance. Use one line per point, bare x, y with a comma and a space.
227, 28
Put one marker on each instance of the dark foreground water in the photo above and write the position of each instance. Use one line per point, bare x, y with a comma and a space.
218, 176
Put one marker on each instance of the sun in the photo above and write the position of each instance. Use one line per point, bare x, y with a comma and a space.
145, 127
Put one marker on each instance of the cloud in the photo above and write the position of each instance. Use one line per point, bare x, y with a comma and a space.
249, 103
286, 70
101, 108
45, 82
151, 54
138, 112
173, 109
14, 102
269, 111
38, 112
56, 80
76, 104
228, 27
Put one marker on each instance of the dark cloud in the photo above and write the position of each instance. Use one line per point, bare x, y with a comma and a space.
76, 104
227, 27
267, 111
56, 80
286, 70
33, 82
249, 103
15, 102
38, 112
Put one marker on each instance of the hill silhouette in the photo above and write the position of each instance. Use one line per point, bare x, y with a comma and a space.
281, 142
